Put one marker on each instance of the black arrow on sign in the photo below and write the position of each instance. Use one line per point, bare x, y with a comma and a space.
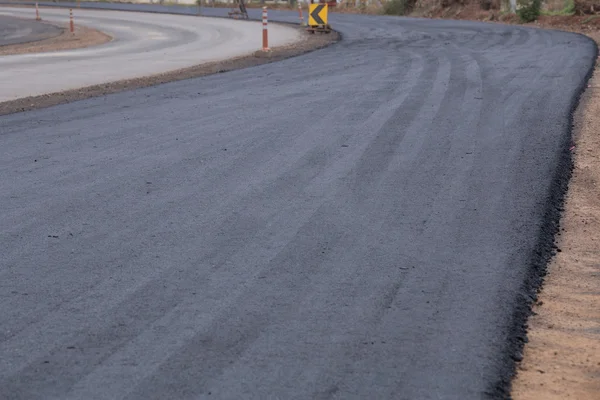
315, 14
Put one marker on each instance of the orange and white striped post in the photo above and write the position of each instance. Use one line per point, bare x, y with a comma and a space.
37, 12
300, 12
265, 36
71, 26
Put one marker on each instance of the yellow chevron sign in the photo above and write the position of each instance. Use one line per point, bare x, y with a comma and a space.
317, 14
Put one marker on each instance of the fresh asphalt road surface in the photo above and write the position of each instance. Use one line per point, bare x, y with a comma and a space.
144, 44
353, 223
17, 30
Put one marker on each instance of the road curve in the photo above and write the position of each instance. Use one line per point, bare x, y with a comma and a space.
144, 44
17, 30
353, 223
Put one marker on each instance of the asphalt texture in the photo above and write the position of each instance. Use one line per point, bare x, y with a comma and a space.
358, 222
17, 30
143, 44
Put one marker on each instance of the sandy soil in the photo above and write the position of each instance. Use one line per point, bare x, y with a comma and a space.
562, 358
310, 42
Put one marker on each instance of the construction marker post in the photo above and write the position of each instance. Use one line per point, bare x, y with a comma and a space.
265, 35
300, 12
71, 26
37, 12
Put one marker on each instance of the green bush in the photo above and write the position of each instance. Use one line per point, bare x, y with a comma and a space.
569, 8
529, 10
399, 7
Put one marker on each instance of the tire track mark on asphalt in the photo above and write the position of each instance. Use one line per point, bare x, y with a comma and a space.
523, 38
126, 235
387, 141
453, 180
174, 311
290, 328
233, 167
338, 252
388, 284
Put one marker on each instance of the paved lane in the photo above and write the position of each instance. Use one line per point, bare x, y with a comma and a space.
354, 223
17, 30
144, 44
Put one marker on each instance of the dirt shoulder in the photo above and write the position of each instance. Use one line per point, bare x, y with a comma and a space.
562, 358
307, 43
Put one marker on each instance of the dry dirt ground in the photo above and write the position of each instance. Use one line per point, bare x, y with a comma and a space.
562, 358
309, 43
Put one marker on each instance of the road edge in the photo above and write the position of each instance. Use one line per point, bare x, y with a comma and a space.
545, 248
308, 44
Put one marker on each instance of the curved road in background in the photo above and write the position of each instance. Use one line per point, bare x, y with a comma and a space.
17, 30
357, 222
144, 44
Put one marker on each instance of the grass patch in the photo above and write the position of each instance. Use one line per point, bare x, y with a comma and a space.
569, 9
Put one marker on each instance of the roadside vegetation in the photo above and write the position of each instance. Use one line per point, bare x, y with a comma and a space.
529, 10
399, 7
526, 10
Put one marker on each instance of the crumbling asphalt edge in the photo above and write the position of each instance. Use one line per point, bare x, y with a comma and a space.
544, 251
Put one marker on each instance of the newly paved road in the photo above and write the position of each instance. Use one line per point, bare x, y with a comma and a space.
144, 44
17, 30
354, 223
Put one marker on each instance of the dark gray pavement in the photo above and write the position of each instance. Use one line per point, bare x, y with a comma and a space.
354, 223
17, 30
